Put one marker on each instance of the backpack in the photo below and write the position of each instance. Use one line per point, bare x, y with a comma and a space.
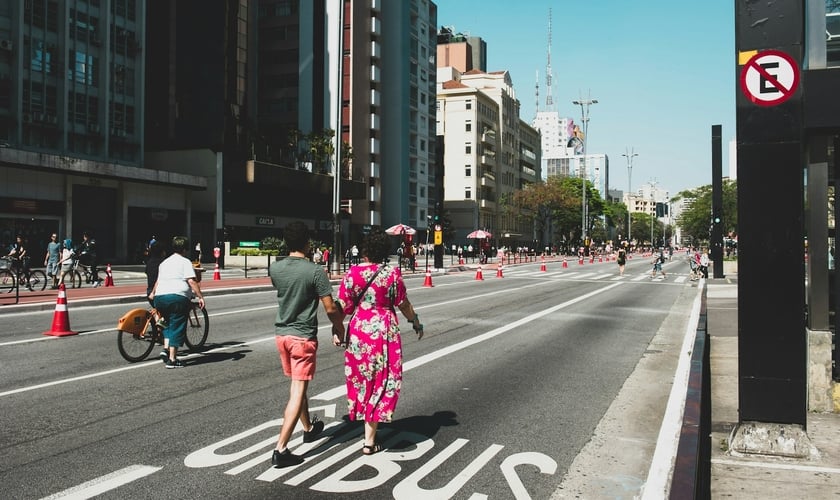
661, 259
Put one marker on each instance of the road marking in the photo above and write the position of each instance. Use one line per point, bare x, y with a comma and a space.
665, 453
156, 362
340, 391
112, 330
105, 483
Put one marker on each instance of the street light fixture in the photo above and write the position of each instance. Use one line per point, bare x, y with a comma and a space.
629, 155
584, 114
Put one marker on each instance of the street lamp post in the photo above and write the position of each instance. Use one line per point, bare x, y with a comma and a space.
653, 216
584, 114
629, 155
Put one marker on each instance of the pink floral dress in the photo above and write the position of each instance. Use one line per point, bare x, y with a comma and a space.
373, 359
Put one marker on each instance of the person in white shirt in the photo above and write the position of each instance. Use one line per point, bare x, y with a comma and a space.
172, 294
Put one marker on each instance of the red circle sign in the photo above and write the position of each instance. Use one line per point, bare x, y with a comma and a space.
769, 78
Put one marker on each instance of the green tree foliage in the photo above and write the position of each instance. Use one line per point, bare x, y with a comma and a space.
696, 217
557, 203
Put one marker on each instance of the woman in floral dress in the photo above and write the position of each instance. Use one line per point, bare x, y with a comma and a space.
373, 359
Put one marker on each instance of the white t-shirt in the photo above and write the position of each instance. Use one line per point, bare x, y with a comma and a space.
173, 274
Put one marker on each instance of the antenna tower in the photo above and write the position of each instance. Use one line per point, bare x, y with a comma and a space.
549, 101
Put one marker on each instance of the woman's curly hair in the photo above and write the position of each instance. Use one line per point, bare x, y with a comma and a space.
376, 246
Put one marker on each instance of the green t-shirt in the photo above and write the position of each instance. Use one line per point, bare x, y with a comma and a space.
300, 285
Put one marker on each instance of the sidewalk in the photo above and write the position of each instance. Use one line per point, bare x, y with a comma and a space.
759, 476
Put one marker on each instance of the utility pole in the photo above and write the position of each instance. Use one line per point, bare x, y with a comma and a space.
584, 113
652, 204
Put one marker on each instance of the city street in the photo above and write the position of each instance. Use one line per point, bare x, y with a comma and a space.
509, 383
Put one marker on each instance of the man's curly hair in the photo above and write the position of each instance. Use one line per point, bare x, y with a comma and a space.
376, 246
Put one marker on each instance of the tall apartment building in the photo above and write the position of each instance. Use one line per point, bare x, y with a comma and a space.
72, 128
489, 152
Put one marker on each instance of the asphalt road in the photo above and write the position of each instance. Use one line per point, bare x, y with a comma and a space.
506, 388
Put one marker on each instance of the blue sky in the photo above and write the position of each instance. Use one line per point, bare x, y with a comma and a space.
663, 73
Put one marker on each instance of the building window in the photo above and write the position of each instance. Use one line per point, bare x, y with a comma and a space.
468, 171
468, 149
469, 105
468, 127
467, 193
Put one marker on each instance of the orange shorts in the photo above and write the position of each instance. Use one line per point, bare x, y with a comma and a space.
297, 355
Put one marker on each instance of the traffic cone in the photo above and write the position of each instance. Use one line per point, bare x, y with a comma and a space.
592, 259
460, 261
499, 273
478, 275
542, 265
600, 259
109, 278
565, 264
61, 319
428, 280
216, 275
580, 261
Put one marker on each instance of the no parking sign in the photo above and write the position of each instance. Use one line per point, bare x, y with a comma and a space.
769, 78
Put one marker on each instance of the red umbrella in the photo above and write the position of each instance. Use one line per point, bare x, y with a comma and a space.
399, 229
480, 234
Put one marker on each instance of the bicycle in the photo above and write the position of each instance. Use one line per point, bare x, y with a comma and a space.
74, 275
13, 272
138, 333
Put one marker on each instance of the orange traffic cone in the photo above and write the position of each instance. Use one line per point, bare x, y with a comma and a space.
499, 273
109, 278
61, 319
428, 280
216, 275
478, 275
565, 264
600, 259
580, 261
542, 266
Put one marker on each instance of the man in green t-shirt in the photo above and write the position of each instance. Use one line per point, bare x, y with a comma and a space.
300, 285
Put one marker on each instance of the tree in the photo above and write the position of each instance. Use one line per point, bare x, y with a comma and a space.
557, 203
695, 220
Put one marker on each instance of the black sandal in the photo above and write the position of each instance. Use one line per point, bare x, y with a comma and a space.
370, 449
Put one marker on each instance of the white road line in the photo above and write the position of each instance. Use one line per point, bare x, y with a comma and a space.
641, 277
105, 483
156, 362
341, 390
665, 452
110, 330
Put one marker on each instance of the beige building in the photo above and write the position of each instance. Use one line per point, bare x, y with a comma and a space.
489, 152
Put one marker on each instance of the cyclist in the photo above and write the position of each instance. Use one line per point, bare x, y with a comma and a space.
18, 257
87, 257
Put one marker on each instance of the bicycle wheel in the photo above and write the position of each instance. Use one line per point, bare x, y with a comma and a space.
75, 279
134, 347
37, 280
198, 325
7, 281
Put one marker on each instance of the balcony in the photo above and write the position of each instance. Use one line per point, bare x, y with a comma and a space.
490, 205
488, 159
489, 137
488, 179
375, 73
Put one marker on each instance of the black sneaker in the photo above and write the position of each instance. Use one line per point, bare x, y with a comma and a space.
174, 364
285, 459
164, 355
312, 434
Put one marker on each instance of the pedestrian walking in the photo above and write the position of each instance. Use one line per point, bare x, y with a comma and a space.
704, 264
51, 259
657, 265
301, 285
622, 260
172, 295
371, 292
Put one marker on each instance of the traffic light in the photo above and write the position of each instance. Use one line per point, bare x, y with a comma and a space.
661, 209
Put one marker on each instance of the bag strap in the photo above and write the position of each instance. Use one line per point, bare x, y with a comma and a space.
367, 285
